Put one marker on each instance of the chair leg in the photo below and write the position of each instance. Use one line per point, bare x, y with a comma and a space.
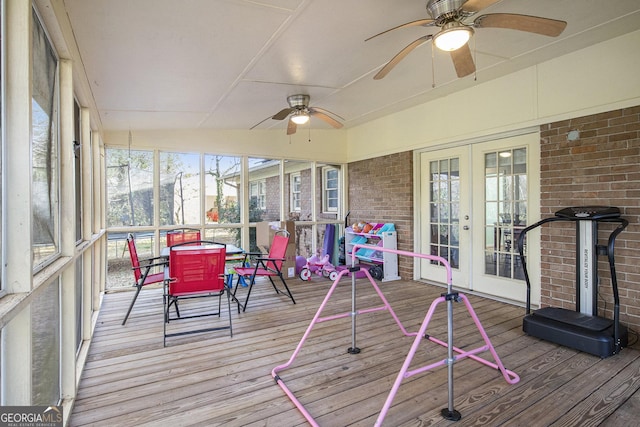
135, 297
287, 288
253, 280
233, 295
289, 294
228, 311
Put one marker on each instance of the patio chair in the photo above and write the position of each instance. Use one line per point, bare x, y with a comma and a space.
196, 270
265, 266
142, 271
182, 235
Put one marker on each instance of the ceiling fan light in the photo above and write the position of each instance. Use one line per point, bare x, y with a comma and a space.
453, 36
300, 117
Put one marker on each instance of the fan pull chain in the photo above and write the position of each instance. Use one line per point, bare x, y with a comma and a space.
475, 60
433, 67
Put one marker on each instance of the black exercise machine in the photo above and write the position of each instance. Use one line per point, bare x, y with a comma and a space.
581, 329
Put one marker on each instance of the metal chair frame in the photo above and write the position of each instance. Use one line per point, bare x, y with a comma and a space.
195, 271
268, 266
142, 271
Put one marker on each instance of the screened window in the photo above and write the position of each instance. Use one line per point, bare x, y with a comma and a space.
80, 289
330, 189
77, 163
45, 342
1, 151
222, 189
258, 194
129, 187
44, 149
298, 190
179, 189
264, 189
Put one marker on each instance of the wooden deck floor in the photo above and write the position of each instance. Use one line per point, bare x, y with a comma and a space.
215, 380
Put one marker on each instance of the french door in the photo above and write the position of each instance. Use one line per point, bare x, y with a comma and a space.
445, 223
474, 202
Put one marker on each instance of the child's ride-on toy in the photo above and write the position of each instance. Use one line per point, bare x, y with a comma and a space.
321, 266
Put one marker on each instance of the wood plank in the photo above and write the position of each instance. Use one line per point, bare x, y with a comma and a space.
131, 379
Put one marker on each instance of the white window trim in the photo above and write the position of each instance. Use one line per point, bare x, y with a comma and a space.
293, 192
260, 193
325, 207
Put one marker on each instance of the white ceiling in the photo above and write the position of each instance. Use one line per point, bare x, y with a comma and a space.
229, 64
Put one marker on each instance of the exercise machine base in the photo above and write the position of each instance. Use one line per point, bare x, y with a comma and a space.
590, 334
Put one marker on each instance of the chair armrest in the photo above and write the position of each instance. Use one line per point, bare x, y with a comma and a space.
148, 266
270, 259
250, 255
152, 259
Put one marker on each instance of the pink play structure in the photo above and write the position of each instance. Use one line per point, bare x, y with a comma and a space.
448, 413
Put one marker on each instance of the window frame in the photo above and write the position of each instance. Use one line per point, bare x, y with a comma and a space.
326, 208
295, 192
258, 189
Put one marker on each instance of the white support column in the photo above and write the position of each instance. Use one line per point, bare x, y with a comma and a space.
68, 232
88, 267
86, 157
99, 208
16, 124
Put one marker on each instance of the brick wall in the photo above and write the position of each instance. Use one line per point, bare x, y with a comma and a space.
600, 167
381, 190
272, 199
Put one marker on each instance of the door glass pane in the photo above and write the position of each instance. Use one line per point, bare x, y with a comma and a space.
444, 206
505, 211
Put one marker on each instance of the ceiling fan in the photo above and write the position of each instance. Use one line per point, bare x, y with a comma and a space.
450, 15
299, 113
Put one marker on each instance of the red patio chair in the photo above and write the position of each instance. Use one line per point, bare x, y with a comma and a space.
182, 235
142, 271
267, 266
196, 270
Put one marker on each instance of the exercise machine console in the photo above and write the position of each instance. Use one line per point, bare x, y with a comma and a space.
581, 329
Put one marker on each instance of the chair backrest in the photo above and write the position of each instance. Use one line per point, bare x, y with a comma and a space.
196, 269
133, 254
183, 235
278, 249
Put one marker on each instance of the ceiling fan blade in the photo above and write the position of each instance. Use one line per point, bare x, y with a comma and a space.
475, 6
512, 21
282, 114
313, 110
400, 56
259, 123
291, 127
463, 61
333, 122
423, 22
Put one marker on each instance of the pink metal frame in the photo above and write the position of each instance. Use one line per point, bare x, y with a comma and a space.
404, 373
